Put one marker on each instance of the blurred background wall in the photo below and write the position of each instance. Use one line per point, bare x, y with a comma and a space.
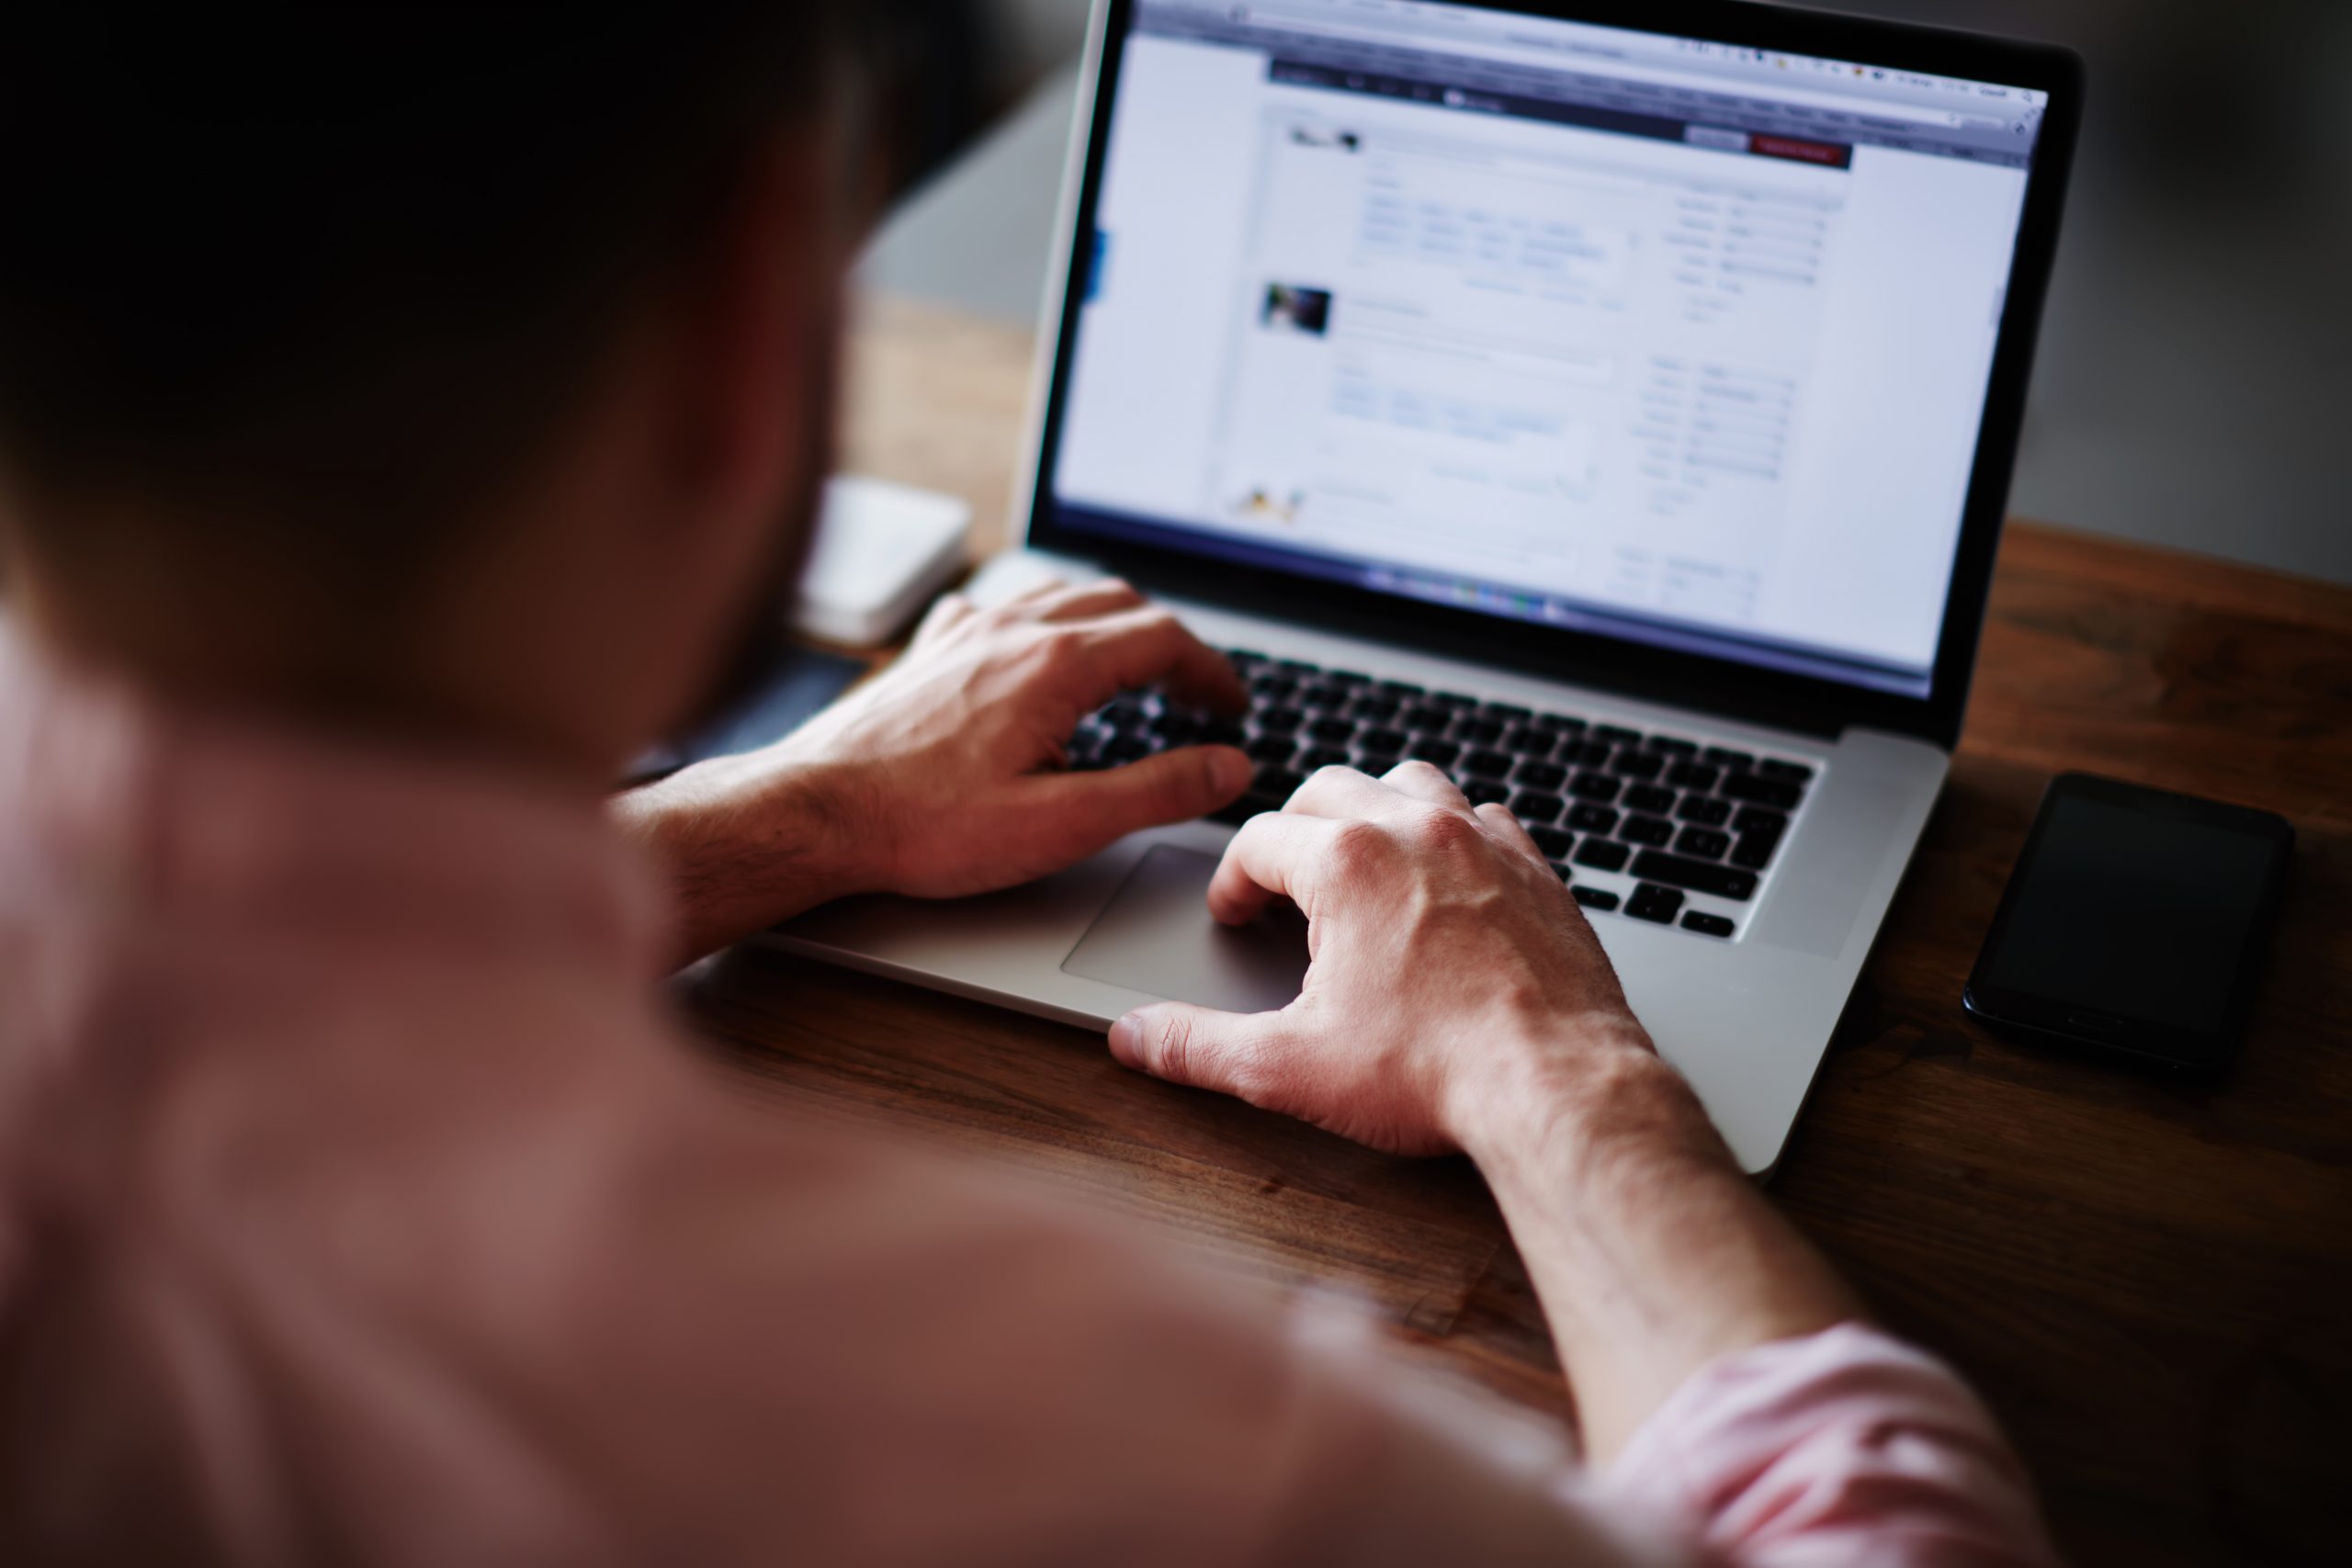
2194, 387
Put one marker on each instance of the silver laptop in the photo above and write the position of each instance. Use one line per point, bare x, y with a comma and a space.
1618, 416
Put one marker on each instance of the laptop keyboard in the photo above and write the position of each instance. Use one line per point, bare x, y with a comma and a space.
1637, 824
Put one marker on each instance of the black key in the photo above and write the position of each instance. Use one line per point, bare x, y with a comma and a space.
1429, 748
1754, 850
1560, 722
1723, 757
1586, 753
1277, 782
1177, 728
1270, 749
1347, 677
1530, 741
1618, 733
1298, 667
1757, 790
1652, 832
1273, 688
1486, 792
1602, 854
1698, 875
1324, 757
1692, 776
1674, 746
1221, 732
1487, 764
1543, 775
1426, 721
1127, 714
1561, 869
1381, 743
1478, 731
1594, 786
1653, 798
1556, 842
1587, 818
1126, 749
1704, 809
1509, 712
1757, 819
1595, 898
1280, 721
1706, 924
1773, 768
1244, 657
1323, 696
1651, 902
1534, 806
1377, 709
1637, 764
1399, 688
1332, 731
1454, 699
1706, 843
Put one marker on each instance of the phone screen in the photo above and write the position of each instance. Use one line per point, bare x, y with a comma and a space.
2127, 912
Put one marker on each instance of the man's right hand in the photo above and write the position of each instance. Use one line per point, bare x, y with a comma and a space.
1458, 999
1452, 975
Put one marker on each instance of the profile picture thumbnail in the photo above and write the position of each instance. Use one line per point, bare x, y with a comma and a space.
1290, 308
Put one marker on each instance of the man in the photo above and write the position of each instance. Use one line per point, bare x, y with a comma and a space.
395, 416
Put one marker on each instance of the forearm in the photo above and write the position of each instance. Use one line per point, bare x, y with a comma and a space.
1651, 1251
747, 843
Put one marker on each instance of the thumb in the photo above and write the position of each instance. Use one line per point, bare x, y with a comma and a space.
1173, 786
1193, 1045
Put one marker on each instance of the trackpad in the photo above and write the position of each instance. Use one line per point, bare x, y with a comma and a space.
1156, 936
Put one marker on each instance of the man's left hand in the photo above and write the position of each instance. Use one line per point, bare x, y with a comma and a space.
943, 774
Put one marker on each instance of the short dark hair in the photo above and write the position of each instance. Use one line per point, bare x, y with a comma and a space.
274, 267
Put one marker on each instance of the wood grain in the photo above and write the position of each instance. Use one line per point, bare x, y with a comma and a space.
2151, 1285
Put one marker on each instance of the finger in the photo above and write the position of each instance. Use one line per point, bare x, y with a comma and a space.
1044, 588
1082, 600
1148, 647
1276, 855
1508, 829
1196, 1046
1085, 811
1344, 792
1423, 781
948, 611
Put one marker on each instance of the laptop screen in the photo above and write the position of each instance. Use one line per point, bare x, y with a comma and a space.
1647, 336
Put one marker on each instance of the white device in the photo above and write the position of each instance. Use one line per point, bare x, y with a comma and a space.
1619, 419
882, 551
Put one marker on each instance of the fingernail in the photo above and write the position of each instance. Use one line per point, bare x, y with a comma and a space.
1126, 1035
1229, 771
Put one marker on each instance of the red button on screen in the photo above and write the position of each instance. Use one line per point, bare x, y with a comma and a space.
1835, 154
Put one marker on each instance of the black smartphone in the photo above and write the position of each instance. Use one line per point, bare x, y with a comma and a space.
2134, 925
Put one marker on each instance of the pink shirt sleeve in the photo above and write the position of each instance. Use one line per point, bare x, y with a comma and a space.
1844, 1447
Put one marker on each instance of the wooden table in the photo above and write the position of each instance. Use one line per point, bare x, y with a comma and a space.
2151, 1284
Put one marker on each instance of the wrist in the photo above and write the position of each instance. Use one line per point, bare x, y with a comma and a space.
748, 842
1593, 1086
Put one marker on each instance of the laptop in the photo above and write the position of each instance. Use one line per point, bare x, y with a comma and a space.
1613, 404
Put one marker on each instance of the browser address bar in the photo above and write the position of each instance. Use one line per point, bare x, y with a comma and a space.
1605, 64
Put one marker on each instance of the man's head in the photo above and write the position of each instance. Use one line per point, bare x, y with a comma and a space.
460, 371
